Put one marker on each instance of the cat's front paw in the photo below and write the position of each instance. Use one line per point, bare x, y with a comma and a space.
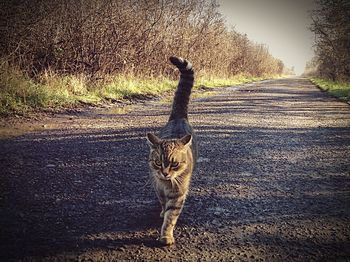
167, 240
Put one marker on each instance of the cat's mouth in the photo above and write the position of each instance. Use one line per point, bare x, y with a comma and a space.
168, 177
163, 176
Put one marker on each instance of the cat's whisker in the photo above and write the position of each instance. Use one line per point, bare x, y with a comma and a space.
172, 183
175, 182
149, 181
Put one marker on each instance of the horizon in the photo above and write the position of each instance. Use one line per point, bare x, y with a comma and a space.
281, 25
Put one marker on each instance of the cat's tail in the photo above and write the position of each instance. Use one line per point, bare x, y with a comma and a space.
183, 92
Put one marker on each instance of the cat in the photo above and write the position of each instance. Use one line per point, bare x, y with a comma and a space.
173, 154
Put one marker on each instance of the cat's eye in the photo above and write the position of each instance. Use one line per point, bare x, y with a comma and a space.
157, 163
175, 164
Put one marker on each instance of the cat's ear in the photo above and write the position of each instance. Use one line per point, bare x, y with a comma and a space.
153, 140
186, 140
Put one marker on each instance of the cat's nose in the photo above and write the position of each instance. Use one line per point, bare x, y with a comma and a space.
165, 170
165, 173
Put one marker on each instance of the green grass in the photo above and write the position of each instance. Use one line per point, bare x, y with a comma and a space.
129, 86
21, 94
338, 89
213, 82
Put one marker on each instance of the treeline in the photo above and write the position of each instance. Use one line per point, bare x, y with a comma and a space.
105, 37
331, 25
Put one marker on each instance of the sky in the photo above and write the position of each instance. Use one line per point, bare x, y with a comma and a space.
280, 24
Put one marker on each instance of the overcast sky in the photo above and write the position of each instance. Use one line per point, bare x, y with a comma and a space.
280, 24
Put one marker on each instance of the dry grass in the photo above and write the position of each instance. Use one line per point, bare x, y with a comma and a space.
21, 94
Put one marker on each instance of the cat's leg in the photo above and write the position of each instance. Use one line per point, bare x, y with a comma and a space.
172, 212
162, 201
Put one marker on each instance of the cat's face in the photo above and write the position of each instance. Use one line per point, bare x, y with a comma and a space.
169, 158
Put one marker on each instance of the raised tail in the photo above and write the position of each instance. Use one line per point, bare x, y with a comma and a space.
183, 92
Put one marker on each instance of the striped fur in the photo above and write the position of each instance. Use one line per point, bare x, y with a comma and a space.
173, 154
183, 92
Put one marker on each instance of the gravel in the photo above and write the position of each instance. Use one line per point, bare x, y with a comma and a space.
272, 184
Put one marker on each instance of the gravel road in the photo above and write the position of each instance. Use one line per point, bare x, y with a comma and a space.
272, 183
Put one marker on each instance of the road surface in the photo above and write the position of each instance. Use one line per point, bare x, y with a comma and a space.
272, 183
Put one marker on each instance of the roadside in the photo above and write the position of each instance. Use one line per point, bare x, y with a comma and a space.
22, 96
16, 124
338, 89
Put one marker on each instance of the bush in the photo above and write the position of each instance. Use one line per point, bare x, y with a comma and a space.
99, 38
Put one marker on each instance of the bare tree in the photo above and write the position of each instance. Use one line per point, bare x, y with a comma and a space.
331, 25
106, 37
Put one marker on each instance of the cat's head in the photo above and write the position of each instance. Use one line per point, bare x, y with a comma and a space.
169, 157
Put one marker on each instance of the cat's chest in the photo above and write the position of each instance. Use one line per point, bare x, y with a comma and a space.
165, 188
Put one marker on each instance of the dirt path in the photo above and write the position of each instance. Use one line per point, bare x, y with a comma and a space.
273, 182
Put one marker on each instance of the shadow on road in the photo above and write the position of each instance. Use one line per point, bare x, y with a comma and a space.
62, 190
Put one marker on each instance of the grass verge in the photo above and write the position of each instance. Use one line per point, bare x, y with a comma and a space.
21, 94
337, 89
212, 82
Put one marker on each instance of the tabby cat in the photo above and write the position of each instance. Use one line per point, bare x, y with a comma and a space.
173, 154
